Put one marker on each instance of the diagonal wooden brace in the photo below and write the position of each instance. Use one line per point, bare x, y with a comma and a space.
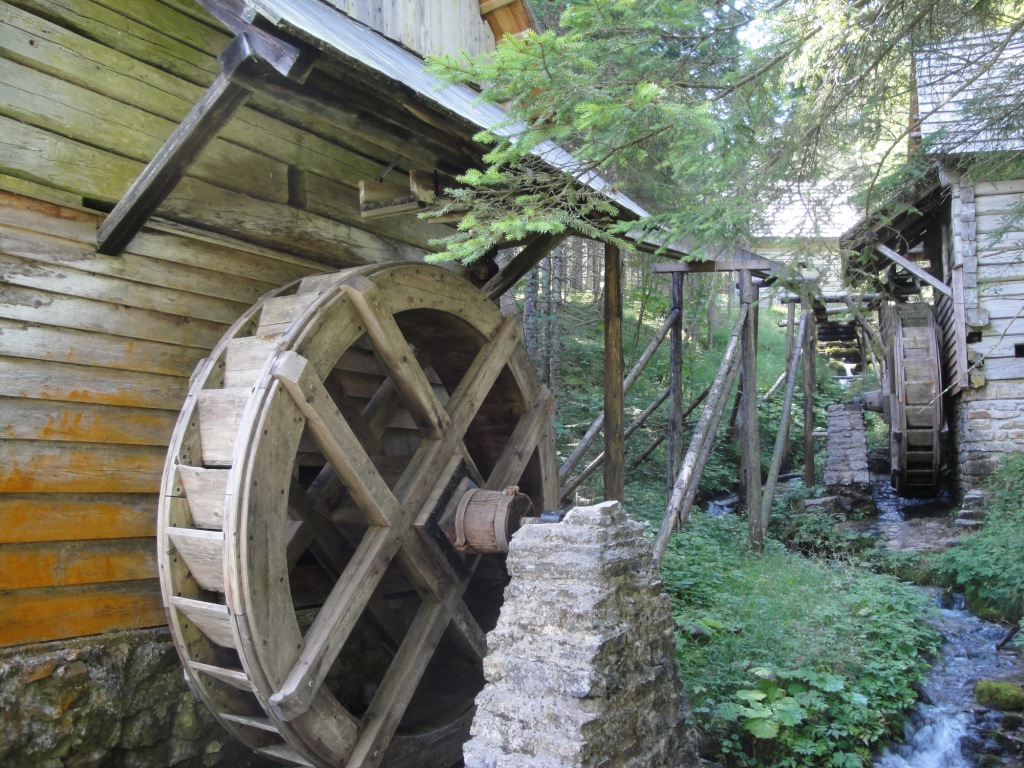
252, 56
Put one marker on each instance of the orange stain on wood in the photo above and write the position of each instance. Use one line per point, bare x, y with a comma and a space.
46, 517
26, 566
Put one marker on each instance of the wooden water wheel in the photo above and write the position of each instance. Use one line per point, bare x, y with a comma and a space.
307, 558
913, 402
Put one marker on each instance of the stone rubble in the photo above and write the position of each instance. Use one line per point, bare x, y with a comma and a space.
581, 669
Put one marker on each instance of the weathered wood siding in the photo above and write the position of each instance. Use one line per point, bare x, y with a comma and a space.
96, 351
990, 416
95, 355
428, 27
89, 91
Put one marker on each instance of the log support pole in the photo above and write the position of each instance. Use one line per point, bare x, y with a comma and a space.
675, 427
614, 366
749, 428
809, 387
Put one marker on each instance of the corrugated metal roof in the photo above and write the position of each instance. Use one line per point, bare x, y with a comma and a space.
952, 73
345, 38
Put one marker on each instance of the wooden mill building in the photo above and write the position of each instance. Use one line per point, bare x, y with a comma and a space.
955, 241
163, 165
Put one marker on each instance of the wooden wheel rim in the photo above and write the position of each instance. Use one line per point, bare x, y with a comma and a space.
293, 723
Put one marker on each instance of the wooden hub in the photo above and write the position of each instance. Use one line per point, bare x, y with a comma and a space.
320, 609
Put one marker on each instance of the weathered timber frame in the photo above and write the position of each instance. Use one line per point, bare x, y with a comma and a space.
251, 58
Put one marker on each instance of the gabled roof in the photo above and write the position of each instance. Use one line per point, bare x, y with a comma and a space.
954, 76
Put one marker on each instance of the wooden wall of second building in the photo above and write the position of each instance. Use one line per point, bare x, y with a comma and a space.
95, 357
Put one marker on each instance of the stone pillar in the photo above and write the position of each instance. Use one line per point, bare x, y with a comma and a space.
846, 468
581, 669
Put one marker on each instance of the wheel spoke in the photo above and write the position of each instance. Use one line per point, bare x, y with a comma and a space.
396, 356
335, 622
524, 440
337, 440
468, 632
403, 676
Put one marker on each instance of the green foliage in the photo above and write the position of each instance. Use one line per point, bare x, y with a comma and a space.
989, 564
790, 661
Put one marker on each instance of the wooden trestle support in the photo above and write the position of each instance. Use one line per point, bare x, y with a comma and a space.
312, 586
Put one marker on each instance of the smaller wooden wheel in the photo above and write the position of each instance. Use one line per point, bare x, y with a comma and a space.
337, 494
913, 382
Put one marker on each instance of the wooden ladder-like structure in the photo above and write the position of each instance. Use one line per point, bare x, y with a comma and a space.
321, 612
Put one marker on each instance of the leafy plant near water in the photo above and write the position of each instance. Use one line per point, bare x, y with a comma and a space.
989, 564
790, 661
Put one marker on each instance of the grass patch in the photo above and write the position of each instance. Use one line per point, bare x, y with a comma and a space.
788, 660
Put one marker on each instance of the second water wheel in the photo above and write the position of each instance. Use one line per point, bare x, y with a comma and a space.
912, 399
345, 469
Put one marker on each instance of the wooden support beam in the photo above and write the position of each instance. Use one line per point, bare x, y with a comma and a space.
675, 427
614, 363
782, 437
808, 390
718, 265
493, 5
521, 263
252, 53
684, 488
749, 424
915, 270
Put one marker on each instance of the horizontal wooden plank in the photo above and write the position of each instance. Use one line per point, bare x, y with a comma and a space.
172, 243
27, 517
36, 615
993, 222
33, 466
53, 309
93, 173
61, 278
1012, 186
1004, 369
1002, 203
158, 273
55, 105
82, 423
44, 380
1000, 273
67, 563
38, 342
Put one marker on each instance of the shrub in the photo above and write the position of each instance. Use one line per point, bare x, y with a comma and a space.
989, 564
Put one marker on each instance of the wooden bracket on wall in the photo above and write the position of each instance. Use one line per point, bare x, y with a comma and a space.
249, 59
426, 191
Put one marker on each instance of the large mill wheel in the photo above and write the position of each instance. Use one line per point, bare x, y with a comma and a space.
311, 581
914, 402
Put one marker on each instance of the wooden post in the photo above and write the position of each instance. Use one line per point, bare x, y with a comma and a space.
678, 507
614, 364
809, 386
782, 438
675, 427
749, 427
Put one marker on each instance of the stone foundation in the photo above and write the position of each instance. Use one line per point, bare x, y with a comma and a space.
581, 669
846, 468
984, 430
117, 700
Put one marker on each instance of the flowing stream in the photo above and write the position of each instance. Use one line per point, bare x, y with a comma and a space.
948, 728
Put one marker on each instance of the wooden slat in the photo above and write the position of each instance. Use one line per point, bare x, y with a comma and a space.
103, 316
212, 619
162, 273
220, 414
44, 380
38, 342
37, 615
262, 723
206, 490
47, 420
233, 677
66, 563
203, 552
31, 466
67, 517
286, 754
243, 359
59, 278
